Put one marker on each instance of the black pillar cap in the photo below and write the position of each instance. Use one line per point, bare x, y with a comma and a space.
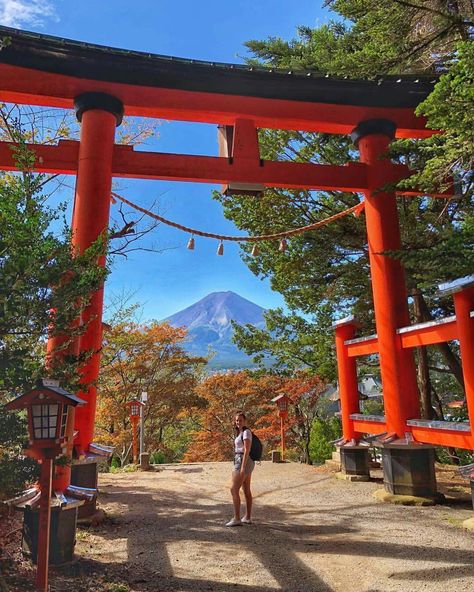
97, 100
369, 127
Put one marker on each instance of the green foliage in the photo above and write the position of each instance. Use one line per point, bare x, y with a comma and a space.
373, 407
118, 588
158, 458
115, 463
367, 38
38, 274
177, 437
34, 263
15, 470
289, 343
466, 457
130, 468
325, 274
449, 108
323, 433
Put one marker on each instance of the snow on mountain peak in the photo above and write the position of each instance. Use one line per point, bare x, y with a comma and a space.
208, 322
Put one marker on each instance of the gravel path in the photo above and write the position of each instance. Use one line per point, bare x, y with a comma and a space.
311, 533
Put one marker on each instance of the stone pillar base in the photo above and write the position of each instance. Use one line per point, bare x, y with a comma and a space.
355, 460
85, 474
409, 470
62, 536
144, 461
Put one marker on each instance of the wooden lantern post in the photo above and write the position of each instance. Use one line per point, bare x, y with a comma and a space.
134, 409
49, 410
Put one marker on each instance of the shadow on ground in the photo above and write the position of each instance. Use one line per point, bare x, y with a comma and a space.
163, 536
177, 542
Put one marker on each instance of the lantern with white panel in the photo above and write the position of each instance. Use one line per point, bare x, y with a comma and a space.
134, 414
48, 407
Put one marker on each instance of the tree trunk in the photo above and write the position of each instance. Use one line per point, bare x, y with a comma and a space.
424, 382
450, 358
308, 457
439, 405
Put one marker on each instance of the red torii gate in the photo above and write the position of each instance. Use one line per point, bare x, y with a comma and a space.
103, 83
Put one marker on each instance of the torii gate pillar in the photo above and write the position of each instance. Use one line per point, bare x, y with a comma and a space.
99, 115
397, 365
408, 469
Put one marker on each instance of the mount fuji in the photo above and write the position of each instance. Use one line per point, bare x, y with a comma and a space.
209, 327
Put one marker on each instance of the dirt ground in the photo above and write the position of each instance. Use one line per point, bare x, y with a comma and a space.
165, 532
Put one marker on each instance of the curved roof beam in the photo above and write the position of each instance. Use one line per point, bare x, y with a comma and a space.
43, 70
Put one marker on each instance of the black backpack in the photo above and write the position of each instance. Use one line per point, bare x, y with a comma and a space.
256, 448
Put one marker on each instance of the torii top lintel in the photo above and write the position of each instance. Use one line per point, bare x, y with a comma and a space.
38, 69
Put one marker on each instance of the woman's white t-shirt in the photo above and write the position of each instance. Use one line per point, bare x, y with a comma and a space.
239, 444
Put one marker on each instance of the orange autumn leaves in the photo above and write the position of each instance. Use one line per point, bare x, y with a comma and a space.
148, 358
227, 393
183, 400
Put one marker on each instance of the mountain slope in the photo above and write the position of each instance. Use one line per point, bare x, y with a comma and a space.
208, 322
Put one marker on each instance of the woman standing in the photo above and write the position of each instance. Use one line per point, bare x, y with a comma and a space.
242, 473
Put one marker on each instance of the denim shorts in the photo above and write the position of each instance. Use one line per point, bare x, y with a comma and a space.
249, 465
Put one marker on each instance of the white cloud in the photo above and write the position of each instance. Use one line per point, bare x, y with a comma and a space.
16, 13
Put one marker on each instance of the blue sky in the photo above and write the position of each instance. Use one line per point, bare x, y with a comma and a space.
174, 278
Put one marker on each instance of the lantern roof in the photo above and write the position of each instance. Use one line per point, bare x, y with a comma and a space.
49, 387
135, 402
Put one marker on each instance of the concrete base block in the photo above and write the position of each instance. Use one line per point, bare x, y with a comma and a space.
144, 461
355, 460
276, 456
62, 535
407, 500
409, 470
85, 474
352, 478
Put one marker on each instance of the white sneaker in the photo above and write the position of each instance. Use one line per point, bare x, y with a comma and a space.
234, 522
246, 520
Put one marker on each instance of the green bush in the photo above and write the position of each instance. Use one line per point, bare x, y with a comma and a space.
16, 470
118, 588
466, 457
131, 468
323, 433
158, 458
115, 463
292, 455
373, 407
